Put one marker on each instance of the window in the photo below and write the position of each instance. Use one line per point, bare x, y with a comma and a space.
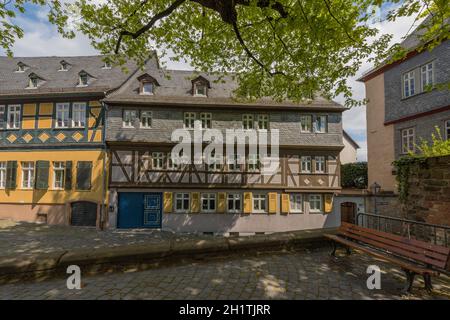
182, 201
408, 84
128, 118
2, 174
33, 81
408, 140
83, 79
146, 119
200, 89
2, 116
234, 165
13, 117
208, 202
21, 67
427, 75
234, 202
205, 118
58, 175
27, 175
253, 162
172, 165
62, 115
259, 203
306, 123
247, 121
79, 114
106, 65
157, 160
315, 203
215, 163
263, 122
447, 129
147, 87
296, 202
321, 124
306, 164
320, 164
64, 66
189, 120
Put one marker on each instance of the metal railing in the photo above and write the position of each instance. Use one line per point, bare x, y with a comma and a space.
434, 233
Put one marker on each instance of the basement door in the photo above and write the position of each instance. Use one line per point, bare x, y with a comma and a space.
139, 210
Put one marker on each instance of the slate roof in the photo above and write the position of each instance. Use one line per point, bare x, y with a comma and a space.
47, 68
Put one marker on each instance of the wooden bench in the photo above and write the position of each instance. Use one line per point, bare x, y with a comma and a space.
413, 256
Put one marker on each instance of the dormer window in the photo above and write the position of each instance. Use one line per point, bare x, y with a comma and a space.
84, 79
21, 67
64, 66
200, 87
147, 84
106, 65
34, 81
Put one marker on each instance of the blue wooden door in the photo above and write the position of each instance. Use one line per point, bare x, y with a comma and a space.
139, 210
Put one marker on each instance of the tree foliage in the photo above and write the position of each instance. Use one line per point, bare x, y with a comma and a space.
354, 175
278, 48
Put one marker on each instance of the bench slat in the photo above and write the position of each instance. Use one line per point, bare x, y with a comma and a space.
430, 254
414, 242
382, 256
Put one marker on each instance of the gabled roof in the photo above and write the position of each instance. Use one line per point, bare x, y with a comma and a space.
350, 139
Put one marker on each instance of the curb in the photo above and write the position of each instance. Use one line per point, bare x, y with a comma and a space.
55, 262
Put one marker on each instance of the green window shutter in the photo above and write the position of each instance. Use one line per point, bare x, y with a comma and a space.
68, 176
84, 172
42, 168
11, 174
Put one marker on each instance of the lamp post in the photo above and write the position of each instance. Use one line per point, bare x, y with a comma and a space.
375, 187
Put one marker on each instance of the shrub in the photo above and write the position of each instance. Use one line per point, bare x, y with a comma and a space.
354, 175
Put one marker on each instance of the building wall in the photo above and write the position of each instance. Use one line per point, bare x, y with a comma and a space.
398, 107
349, 153
380, 137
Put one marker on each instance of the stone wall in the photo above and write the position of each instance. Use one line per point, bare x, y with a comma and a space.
429, 192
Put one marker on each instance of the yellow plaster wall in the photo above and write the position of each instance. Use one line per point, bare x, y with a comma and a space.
29, 109
46, 109
28, 122
50, 196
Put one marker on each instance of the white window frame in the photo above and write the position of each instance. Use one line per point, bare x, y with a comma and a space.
157, 160
3, 174
208, 197
132, 116
152, 87
306, 123
315, 198
263, 122
59, 168
253, 163
206, 120
234, 165
33, 82
233, 198
189, 120
82, 83
14, 110
305, 164
427, 75
447, 129
79, 114
197, 92
63, 113
146, 119
181, 197
321, 124
258, 200
408, 136
214, 166
294, 205
320, 166
248, 122
27, 174
409, 81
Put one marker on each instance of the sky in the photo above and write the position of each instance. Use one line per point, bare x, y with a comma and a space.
42, 39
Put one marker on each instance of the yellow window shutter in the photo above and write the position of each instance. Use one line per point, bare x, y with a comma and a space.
167, 202
285, 203
328, 203
221, 202
247, 202
195, 202
272, 202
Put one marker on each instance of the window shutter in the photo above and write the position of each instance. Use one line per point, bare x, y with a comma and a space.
167, 202
247, 202
68, 176
272, 202
84, 172
328, 203
11, 174
195, 202
41, 179
221, 202
285, 203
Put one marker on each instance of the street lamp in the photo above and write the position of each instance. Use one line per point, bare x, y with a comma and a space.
375, 187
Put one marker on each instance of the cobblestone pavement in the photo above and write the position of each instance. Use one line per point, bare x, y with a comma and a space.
307, 274
21, 238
